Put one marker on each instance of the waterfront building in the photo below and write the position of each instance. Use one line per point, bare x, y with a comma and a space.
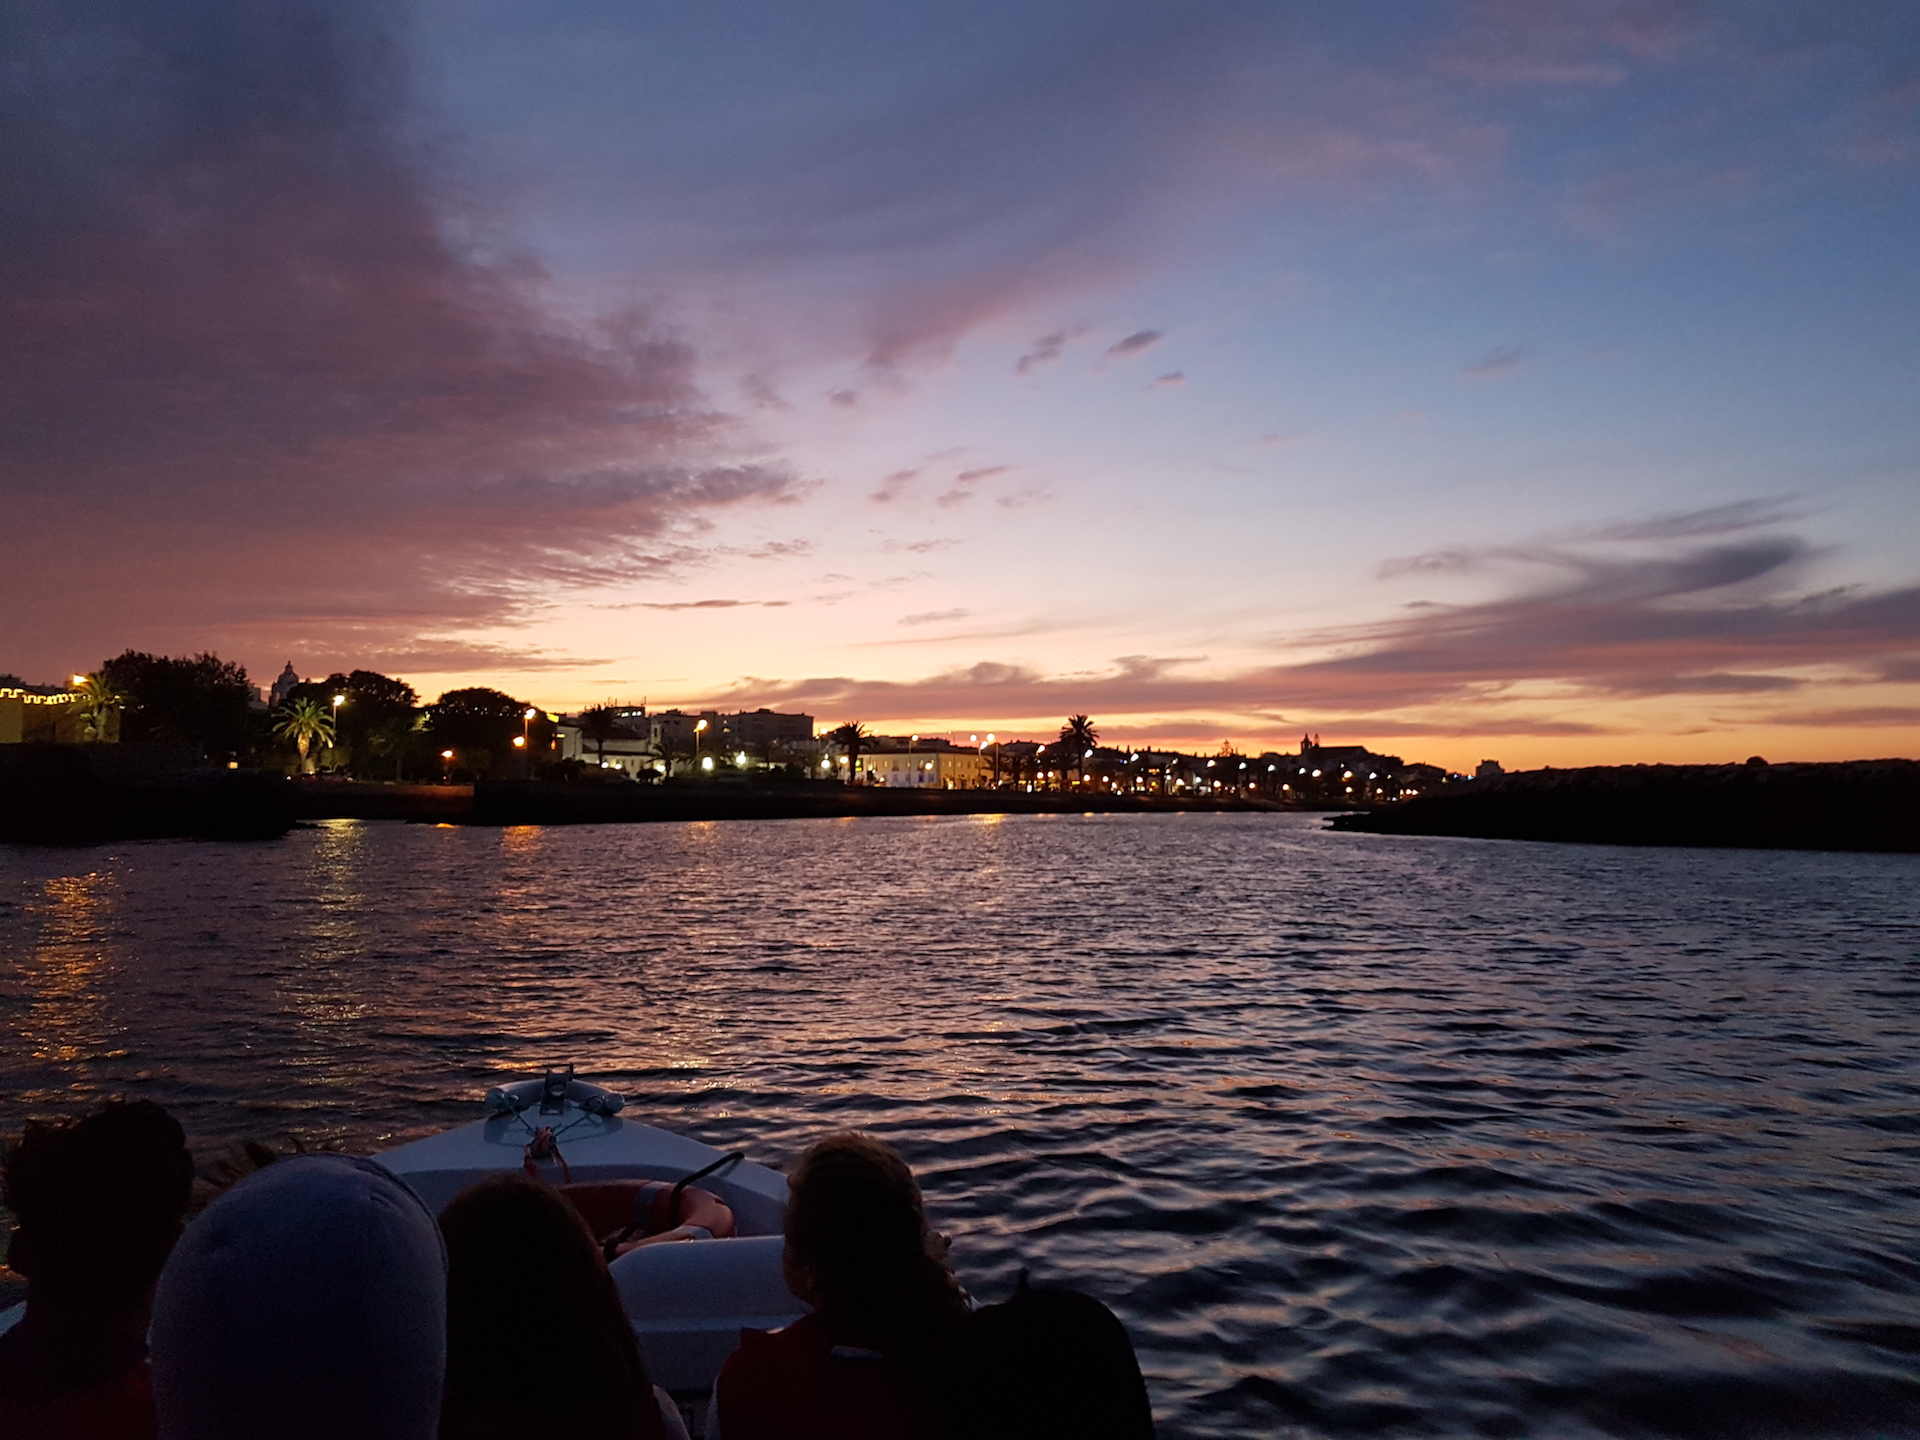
632, 754
39, 716
1419, 779
924, 763
763, 736
643, 742
764, 732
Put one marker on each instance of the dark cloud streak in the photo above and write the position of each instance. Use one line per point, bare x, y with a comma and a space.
1720, 619
251, 386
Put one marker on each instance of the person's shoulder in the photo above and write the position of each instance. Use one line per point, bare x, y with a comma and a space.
807, 1336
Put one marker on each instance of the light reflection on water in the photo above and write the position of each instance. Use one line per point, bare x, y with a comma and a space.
66, 973
1359, 1134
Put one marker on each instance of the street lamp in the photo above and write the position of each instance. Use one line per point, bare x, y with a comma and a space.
338, 701
698, 726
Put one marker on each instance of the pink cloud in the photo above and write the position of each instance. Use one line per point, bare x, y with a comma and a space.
250, 386
1710, 609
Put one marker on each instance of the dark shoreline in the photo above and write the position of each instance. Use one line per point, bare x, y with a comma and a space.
96, 794
534, 802
1860, 805
91, 795
72, 795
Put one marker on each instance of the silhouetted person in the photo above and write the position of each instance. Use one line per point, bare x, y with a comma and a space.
97, 1205
860, 1252
525, 1272
306, 1303
1046, 1365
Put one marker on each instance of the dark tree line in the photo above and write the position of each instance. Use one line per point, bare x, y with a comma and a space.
380, 730
200, 701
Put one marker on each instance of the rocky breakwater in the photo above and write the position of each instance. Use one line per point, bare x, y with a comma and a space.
1850, 805
90, 794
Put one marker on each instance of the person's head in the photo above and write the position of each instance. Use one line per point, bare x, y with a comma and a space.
858, 1245
307, 1301
522, 1263
1046, 1365
97, 1204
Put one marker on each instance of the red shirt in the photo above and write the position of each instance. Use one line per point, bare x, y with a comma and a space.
802, 1383
35, 1406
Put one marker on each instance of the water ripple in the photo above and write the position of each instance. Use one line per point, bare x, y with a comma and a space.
1361, 1135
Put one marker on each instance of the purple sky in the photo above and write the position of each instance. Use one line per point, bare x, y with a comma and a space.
1504, 378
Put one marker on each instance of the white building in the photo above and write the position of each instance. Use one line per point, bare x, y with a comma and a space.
923, 764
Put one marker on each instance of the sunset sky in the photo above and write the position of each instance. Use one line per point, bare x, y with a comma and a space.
1538, 381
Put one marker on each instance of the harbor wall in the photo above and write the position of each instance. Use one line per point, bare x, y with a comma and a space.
92, 794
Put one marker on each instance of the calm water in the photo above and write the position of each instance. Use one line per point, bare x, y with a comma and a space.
1361, 1135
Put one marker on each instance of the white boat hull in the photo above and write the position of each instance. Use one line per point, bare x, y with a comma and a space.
688, 1300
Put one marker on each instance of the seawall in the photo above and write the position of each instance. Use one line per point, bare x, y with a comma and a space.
92, 794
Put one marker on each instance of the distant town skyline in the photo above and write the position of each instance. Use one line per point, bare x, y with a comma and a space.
1470, 380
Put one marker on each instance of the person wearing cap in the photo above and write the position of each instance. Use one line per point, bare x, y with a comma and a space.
308, 1302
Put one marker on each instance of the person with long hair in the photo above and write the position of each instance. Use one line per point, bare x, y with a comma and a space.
97, 1204
859, 1251
521, 1263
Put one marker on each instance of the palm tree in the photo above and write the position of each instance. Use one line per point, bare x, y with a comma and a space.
97, 701
850, 737
1077, 739
670, 752
303, 722
599, 724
